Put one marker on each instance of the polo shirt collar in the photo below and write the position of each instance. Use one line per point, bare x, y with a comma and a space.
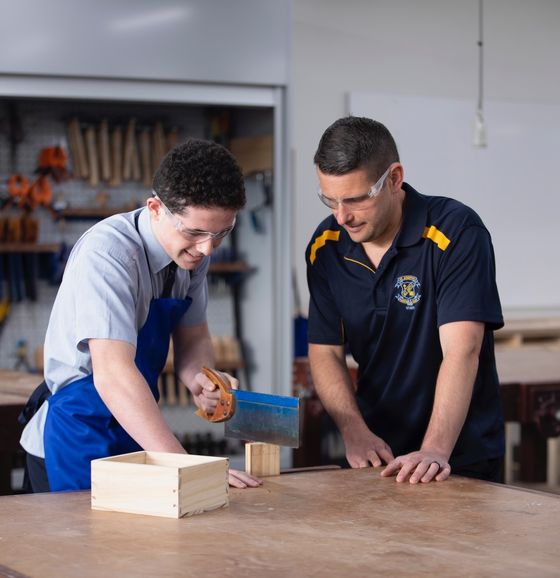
414, 218
158, 259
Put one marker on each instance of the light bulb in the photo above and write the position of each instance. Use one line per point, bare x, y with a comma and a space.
479, 137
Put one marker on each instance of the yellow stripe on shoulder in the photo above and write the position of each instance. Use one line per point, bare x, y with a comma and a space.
437, 237
328, 235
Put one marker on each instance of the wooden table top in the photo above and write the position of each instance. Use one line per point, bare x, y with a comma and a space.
331, 523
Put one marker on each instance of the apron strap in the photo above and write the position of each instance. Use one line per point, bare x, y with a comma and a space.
35, 401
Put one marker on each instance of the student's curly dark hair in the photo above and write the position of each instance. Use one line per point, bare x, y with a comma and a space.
199, 173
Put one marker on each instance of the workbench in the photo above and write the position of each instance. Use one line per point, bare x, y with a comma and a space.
15, 389
323, 523
530, 389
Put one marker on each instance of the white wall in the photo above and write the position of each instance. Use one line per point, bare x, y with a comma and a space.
410, 47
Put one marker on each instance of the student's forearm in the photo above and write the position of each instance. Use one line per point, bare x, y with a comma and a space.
128, 397
193, 350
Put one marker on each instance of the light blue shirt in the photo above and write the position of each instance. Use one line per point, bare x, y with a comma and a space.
106, 291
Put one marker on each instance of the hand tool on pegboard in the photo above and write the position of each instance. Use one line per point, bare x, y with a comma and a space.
4, 291
30, 264
91, 146
172, 138
15, 133
146, 156
78, 149
116, 157
104, 151
159, 147
135, 160
129, 144
52, 162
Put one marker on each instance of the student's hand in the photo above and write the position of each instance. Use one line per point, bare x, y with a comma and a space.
206, 394
422, 466
364, 448
239, 479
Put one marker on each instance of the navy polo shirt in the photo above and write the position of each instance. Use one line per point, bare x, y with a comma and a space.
439, 269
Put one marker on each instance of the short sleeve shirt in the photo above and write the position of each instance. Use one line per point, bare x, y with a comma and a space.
439, 269
112, 274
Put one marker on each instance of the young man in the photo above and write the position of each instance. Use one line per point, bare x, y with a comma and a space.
407, 282
131, 282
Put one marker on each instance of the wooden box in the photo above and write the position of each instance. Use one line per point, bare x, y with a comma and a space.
159, 484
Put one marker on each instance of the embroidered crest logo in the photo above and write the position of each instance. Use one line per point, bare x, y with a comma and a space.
408, 290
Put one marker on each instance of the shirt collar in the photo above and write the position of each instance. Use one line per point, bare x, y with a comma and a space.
158, 259
415, 213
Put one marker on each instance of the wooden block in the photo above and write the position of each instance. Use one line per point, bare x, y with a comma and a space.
262, 459
159, 484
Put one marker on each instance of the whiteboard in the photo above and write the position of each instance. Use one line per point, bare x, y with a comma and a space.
512, 184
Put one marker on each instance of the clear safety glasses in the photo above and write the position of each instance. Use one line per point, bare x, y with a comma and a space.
359, 202
194, 235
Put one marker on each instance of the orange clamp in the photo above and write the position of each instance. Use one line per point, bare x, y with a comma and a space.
41, 192
52, 158
226, 404
18, 186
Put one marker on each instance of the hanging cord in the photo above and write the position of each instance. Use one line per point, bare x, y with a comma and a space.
479, 140
480, 55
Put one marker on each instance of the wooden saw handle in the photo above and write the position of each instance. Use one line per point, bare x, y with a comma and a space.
226, 404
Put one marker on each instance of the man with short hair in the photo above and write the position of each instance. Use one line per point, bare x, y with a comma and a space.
407, 283
133, 281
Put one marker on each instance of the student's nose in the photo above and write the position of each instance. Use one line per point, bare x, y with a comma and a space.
206, 247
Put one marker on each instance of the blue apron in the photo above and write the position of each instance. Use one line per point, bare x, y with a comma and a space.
79, 426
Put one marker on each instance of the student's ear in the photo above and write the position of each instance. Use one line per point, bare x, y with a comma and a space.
154, 206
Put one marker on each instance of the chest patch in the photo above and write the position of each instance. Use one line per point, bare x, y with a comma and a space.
408, 291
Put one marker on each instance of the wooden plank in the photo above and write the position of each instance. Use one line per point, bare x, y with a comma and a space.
334, 523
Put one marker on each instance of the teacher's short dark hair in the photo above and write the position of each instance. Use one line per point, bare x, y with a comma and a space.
355, 142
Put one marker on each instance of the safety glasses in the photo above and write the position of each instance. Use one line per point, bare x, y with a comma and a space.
194, 235
358, 202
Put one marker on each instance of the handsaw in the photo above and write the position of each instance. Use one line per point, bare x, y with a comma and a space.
253, 416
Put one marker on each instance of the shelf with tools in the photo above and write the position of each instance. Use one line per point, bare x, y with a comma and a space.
90, 213
29, 247
228, 268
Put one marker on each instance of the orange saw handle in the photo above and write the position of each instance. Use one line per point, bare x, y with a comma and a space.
226, 404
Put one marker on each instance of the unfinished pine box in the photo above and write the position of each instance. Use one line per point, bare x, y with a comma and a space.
159, 484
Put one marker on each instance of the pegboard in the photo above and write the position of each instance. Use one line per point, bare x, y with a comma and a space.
45, 123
